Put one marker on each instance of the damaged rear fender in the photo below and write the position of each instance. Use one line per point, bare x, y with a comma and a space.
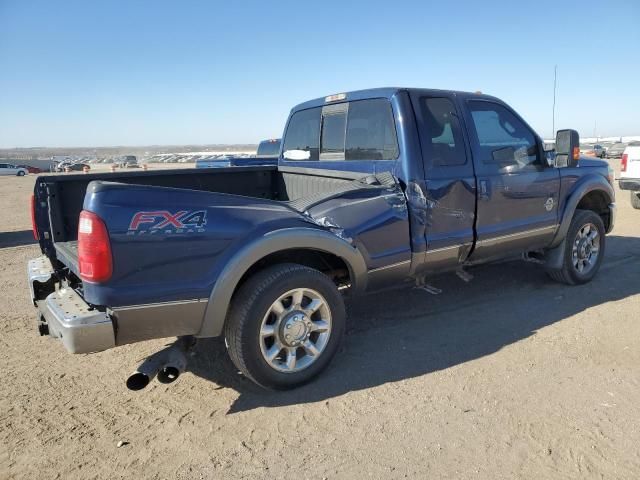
272, 242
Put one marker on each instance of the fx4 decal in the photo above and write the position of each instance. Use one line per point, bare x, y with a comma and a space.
162, 221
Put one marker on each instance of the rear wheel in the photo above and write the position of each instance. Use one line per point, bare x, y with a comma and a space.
635, 200
285, 325
584, 249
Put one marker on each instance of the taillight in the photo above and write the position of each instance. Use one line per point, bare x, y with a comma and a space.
94, 249
34, 226
623, 163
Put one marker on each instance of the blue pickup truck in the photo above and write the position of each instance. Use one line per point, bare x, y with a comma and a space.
374, 189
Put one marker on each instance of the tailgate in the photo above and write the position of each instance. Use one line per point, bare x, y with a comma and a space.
633, 163
67, 253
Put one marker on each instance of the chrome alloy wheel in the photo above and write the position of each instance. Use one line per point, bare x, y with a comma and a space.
586, 247
295, 330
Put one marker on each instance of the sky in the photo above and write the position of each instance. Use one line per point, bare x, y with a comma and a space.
84, 73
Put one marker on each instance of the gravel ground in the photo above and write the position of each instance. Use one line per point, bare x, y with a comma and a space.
508, 376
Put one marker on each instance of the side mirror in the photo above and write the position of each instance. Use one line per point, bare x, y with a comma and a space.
567, 148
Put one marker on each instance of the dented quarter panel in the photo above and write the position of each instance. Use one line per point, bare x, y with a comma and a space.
375, 220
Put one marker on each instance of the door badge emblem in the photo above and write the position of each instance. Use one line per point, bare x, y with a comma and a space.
549, 204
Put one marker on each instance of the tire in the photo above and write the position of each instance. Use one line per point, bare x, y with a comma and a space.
20, 173
253, 316
635, 200
570, 273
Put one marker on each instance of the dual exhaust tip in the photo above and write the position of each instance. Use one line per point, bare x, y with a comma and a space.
167, 365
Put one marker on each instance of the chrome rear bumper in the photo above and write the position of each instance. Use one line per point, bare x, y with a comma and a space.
65, 315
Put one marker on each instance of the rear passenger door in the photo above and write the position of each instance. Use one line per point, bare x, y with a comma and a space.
449, 180
517, 191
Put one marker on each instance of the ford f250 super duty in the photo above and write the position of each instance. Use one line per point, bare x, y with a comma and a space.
373, 189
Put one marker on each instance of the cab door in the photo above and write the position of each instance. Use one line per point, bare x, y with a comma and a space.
517, 191
450, 184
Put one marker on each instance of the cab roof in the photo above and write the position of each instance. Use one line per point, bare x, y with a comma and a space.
384, 92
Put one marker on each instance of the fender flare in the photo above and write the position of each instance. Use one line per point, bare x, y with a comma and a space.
272, 242
586, 185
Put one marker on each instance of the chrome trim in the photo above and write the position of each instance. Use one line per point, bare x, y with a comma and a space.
159, 304
444, 249
518, 234
386, 267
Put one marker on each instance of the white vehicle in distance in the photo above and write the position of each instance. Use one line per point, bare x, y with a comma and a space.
630, 172
9, 169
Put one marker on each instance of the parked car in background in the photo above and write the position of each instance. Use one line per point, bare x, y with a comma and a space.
9, 169
74, 167
128, 161
269, 148
592, 150
630, 172
615, 150
267, 154
31, 169
599, 150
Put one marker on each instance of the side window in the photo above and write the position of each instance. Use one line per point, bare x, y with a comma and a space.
441, 132
371, 133
302, 141
502, 138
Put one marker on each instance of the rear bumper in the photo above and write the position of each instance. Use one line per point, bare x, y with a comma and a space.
629, 184
82, 328
64, 314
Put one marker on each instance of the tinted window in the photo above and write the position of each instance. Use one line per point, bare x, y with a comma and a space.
441, 132
303, 134
371, 134
502, 138
268, 148
333, 126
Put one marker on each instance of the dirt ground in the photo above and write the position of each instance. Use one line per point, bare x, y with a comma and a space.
508, 376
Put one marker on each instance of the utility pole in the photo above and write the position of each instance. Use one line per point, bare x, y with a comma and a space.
553, 113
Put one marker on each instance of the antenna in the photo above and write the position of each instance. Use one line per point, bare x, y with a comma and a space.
553, 112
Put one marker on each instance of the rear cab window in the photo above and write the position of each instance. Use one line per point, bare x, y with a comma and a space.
357, 130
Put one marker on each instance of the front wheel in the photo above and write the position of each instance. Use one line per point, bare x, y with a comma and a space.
285, 325
20, 173
635, 200
584, 249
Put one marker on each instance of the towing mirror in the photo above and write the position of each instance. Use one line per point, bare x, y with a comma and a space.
567, 148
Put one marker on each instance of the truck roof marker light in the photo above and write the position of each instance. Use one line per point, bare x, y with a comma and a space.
335, 98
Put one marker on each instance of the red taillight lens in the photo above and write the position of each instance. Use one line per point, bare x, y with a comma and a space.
94, 249
623, 163
34, 227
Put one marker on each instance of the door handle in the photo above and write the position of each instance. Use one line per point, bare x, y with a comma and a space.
484, 189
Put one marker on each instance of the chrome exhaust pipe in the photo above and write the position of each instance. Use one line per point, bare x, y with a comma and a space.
144, 374
166, 365
175, 364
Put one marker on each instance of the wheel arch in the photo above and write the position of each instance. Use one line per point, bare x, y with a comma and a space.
592, 193
268, 250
